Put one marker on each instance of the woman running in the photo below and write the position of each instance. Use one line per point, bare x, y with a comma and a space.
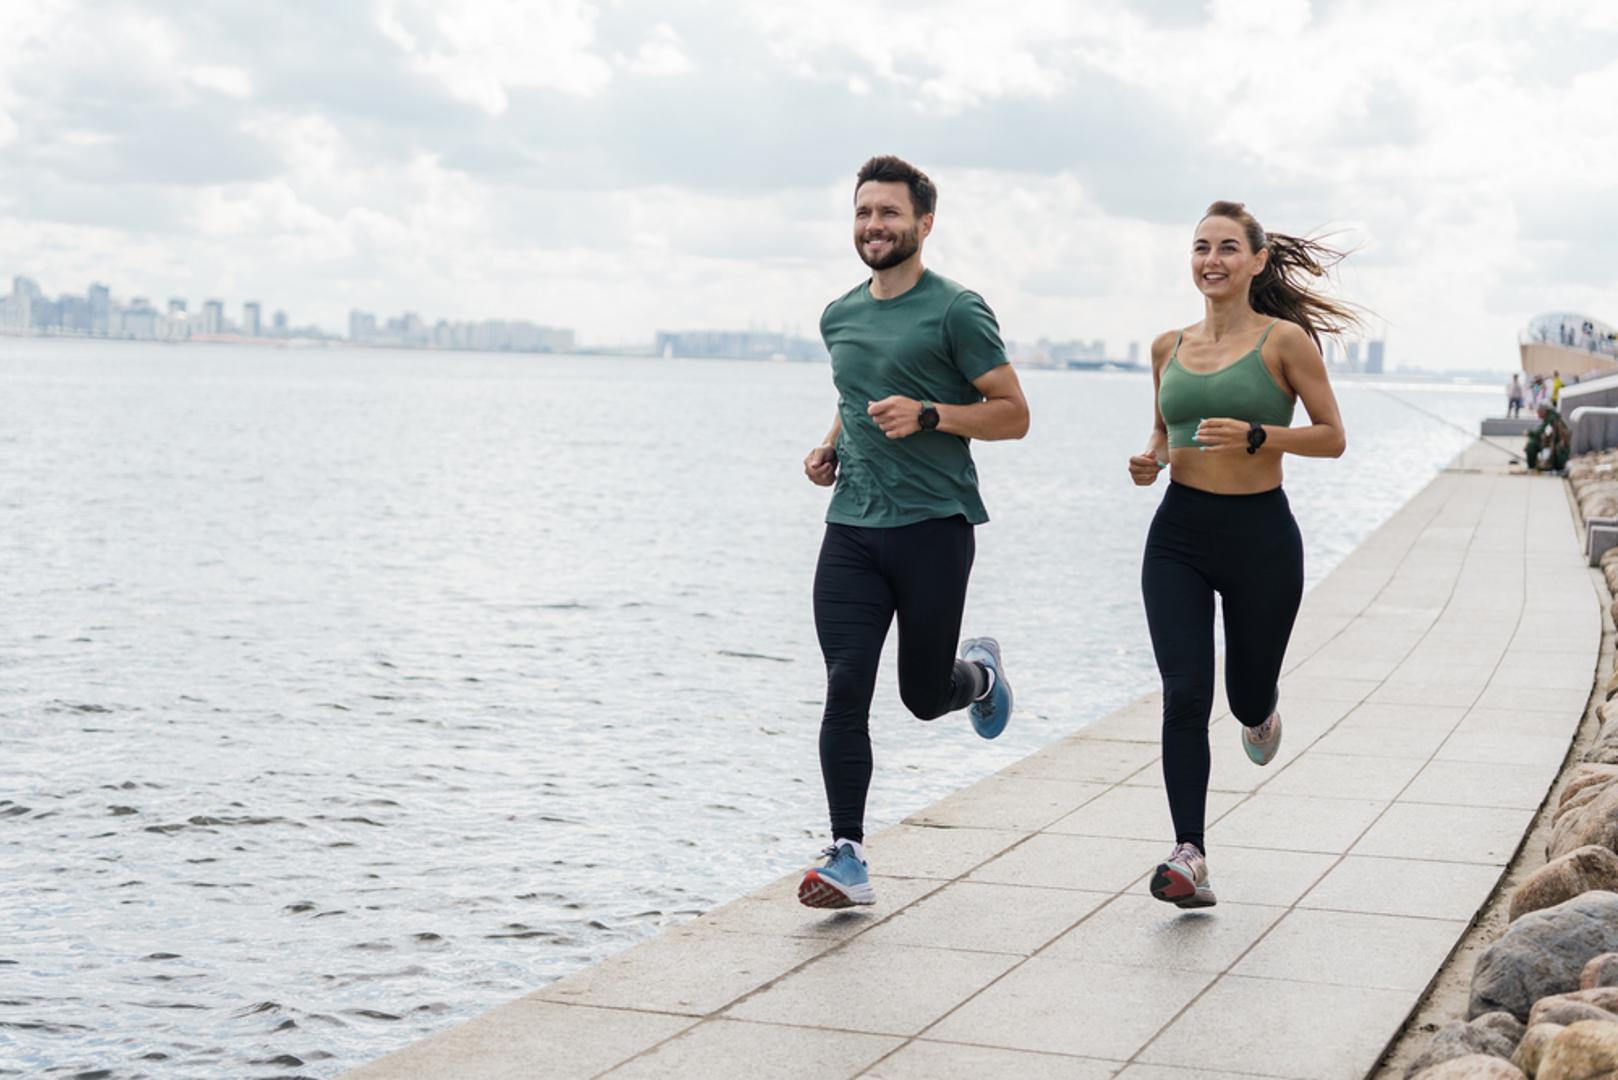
1225, 390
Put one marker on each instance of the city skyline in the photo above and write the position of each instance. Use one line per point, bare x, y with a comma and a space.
628, 167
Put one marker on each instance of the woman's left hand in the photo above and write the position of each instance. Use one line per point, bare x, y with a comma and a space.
1222, 433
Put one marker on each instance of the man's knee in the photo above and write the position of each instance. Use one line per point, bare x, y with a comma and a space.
924, 705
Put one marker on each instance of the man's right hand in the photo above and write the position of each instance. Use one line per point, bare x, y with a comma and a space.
821, 466
1143, 469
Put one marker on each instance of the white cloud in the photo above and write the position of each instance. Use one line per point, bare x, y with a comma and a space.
661, 54
231, 81
483, 49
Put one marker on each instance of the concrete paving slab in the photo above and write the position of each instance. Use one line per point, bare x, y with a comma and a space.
1413, 887
1260, 876
1135, 813
1174, 1072
723, 1048
659, 975
879, 988
1008, 802
1073, 1007
1311, 1031
525, 1038
923, 1059
1092, 760
1295, 823
1478, 783
1344, 948
987, 917
1139, 931
927, 851
1086, 863
1337, 776
1474, 834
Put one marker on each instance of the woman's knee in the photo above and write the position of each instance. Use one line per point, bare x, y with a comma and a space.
1187, 703
924, 704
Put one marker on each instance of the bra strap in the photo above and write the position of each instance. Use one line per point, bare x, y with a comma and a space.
1175, 355
1262, 337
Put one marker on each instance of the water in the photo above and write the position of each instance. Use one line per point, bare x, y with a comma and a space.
348, 694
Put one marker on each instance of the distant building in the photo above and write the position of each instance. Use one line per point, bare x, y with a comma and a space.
1373, 357
100, 302
213, 316
140, 320
250, 319
361, 326
279, 324
1351, 350
736, 345
176, 307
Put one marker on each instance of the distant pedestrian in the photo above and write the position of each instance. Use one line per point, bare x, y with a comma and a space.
1514, 394
1536, 392
1556, 388
1222, 420
920, 371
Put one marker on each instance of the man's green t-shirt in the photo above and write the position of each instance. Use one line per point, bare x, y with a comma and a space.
928, 344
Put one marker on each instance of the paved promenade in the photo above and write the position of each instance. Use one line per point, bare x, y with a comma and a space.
1435, 681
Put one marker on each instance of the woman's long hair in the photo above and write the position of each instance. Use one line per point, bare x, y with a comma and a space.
1279, 290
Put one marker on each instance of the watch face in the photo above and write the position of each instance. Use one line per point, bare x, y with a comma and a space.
929, 418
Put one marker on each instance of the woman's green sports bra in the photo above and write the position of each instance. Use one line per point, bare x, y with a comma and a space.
1244, 390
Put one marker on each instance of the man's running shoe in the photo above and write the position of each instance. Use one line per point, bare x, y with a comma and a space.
842, 882
1182, 880
1262, 742
989, 715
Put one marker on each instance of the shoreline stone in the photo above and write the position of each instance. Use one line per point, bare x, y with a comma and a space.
1584, 869
1543, 953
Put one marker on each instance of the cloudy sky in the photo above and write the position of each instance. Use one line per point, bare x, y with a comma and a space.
621, 167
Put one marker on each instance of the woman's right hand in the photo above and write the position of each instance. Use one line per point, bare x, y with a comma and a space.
1143, 469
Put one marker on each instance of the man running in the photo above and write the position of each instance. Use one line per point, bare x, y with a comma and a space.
920, 371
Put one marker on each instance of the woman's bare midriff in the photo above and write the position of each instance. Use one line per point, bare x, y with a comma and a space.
1226, 472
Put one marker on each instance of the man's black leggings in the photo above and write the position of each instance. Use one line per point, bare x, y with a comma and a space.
1247, 549
863, 578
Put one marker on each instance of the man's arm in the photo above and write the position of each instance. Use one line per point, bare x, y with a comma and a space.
820, 466
1002, 414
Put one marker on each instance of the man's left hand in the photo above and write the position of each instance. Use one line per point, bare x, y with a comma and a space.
896, 416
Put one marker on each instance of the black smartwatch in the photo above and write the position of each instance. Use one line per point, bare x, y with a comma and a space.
1255, 437
929, 416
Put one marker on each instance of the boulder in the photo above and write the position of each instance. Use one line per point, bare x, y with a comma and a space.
1579, 871
1586, 1050
1586, 779
1585, 822
1503, 1023
1560, 1010
1600, 971
1459, 1039
1532, 1048
1543, 953
1472, 1067
1604, 750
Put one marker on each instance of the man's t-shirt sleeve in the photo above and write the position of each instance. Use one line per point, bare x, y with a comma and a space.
973, 336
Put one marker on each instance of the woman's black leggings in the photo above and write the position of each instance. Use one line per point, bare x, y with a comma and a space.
1248, 550
865, 577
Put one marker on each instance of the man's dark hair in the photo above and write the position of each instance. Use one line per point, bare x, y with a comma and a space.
888, 169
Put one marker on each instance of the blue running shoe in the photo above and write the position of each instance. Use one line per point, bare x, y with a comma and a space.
842, 882
989, 716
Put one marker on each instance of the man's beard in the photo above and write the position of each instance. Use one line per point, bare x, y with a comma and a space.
904, 245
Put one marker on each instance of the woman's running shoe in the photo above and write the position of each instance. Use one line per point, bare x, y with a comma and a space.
990, 713
842, 882
1262, 742
1182, 879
